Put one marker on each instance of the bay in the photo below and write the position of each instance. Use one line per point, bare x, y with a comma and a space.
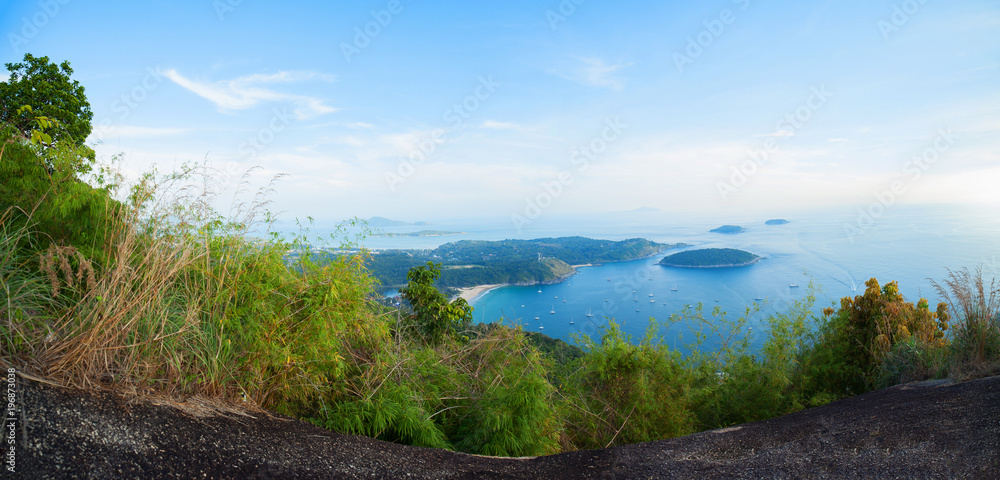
838, 250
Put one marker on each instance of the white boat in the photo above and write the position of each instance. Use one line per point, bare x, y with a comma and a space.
590, 313
758, 298
539, 289
571, 321
553, 309
793, 286
674, 289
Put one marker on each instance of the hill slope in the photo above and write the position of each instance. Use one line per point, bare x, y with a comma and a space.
922, 430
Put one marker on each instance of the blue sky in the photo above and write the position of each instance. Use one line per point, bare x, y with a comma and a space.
428, 110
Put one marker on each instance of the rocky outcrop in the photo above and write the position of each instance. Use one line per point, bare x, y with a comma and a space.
922, 430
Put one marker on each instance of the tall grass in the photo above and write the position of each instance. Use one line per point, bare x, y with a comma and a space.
975, 347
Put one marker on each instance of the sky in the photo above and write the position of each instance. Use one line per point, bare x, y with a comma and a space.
530, 109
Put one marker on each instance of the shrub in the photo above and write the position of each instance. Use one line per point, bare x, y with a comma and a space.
976, 332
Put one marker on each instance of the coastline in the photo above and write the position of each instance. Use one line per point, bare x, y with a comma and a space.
472, 293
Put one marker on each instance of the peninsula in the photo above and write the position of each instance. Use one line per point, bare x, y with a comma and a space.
710, 258
470, 263
776, 221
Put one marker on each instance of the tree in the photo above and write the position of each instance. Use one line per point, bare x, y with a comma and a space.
433, 316
47, 89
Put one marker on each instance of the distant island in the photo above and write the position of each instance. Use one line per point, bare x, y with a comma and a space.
469, 263
710, 258
422, 233
729, 229
378, 222
776, 221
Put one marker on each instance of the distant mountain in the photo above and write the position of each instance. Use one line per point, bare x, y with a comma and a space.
729, 229
776, 221
645, 210
385, 222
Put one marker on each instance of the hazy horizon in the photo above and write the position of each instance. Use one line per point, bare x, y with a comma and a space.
527, 111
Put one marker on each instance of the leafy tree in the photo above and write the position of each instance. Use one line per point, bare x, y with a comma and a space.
47, 89
434, 317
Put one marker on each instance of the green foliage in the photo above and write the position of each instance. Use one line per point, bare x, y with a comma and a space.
879, 319
627, 393
434, 318
47, 187
50, 93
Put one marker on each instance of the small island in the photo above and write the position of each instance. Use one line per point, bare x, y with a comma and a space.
422, 233
776, 221
710, 258
729, 229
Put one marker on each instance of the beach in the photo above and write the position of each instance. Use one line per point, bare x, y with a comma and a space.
471, 293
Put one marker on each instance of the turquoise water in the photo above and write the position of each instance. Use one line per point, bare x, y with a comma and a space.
836, 250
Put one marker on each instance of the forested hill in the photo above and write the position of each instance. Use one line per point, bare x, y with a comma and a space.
710, 257
480, 262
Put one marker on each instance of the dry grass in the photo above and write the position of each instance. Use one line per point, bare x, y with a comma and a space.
976, 330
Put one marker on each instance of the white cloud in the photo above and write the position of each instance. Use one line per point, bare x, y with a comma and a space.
593, 72
248, 91
500, 125
779, 133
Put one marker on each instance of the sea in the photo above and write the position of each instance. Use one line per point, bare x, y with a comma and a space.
836, 251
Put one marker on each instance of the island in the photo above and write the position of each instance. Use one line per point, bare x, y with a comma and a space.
776, 221
729, 229
422, 233
379, 222
710, 258
470, 263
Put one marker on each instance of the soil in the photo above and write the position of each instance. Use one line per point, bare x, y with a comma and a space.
919, 430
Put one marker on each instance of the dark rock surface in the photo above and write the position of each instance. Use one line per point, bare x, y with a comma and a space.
922, 430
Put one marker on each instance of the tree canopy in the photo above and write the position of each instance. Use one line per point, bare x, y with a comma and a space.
50, 93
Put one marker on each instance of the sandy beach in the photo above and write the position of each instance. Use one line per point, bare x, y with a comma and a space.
471, 293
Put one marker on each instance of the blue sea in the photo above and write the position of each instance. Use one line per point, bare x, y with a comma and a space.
837, 250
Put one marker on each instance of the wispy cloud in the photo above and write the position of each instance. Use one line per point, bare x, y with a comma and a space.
493, 124
248, 91
779, 133
593, 72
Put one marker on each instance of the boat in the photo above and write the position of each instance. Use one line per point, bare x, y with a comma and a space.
650, 293
758, 298
637, 309
571, 321
674, 289
793, 286
590, 313
553, 309
539, 289
652, 300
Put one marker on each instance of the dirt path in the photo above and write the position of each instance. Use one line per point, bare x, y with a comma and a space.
925, 430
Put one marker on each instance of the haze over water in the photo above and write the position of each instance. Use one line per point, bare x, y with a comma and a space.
836, 250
